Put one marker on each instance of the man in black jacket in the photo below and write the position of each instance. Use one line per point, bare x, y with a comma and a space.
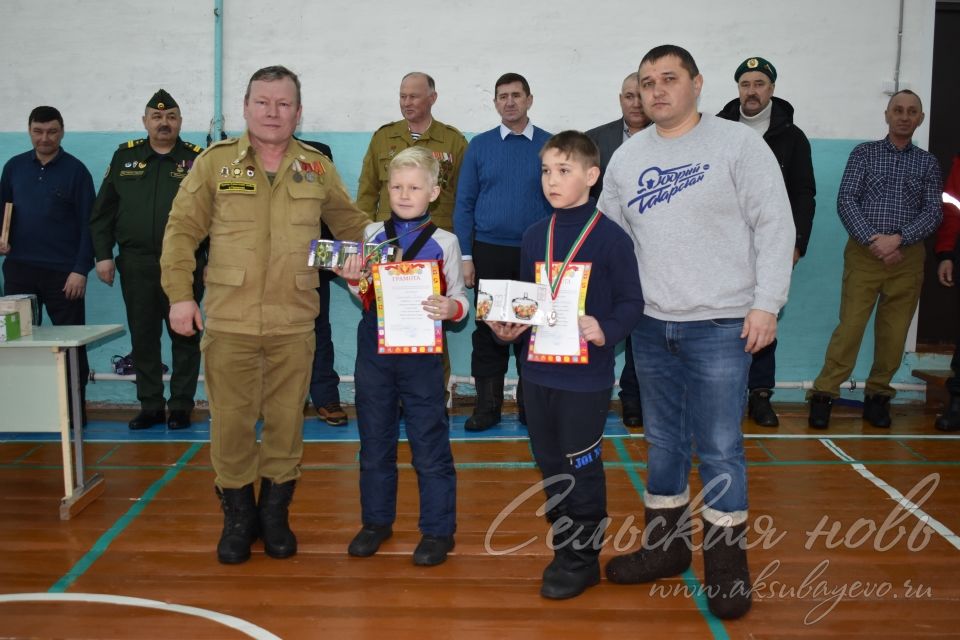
773, 119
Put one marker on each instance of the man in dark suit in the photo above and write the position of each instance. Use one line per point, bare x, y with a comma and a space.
608, 138
324, 381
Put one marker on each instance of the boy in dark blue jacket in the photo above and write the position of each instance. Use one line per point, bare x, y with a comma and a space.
567, 386
384, 380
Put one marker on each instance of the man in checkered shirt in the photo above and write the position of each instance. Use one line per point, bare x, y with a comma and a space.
889, 201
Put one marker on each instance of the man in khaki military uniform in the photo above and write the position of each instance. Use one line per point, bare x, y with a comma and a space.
417, 95
260, 199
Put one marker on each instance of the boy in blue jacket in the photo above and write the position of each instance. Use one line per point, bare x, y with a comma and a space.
567, 398
385, 380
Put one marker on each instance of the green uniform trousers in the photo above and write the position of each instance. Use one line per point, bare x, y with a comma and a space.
865, 281
248, 377
147, 311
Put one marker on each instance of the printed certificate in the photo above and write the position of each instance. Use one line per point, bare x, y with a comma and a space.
561, 342
402, 324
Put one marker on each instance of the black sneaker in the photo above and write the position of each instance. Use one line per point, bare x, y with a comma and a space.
368, 540
432, 550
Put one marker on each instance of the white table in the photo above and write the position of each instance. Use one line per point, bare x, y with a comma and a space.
33, 395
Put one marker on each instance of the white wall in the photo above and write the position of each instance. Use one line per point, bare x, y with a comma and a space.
100, 60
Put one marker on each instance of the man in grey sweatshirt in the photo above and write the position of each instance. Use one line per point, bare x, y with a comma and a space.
705, 204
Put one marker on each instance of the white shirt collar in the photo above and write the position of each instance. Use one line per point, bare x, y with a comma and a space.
527, 131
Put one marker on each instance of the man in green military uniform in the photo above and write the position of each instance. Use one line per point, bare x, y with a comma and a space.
260, 199
131, 211
417, 95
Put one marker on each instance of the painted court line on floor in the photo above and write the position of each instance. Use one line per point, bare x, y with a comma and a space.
247, 628
101, 545
689, 578
895, 495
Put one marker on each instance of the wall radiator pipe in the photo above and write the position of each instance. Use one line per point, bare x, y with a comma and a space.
216, 124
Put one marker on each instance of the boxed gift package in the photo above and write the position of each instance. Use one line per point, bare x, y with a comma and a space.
9, 326
331, 254
25, 305
513, 301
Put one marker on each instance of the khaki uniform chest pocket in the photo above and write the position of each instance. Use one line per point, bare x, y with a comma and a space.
236, 201
384, 158
306, 203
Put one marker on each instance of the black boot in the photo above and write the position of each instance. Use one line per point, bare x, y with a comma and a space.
726, 576
876, 410
950, 420
631, 413
760, 410
553, 516
576, 559
665, 550
489, 401
278, 540
820, 407
239, 524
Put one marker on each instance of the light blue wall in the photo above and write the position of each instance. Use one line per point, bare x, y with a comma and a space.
807, 323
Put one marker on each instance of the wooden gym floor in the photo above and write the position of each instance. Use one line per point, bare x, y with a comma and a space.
835, 555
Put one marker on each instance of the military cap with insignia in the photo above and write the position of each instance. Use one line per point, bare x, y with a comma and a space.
162, 100
756, 64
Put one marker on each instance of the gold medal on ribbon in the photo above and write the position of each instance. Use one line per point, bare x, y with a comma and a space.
363, 286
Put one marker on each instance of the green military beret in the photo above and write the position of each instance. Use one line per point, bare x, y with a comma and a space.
162, 100
756, 64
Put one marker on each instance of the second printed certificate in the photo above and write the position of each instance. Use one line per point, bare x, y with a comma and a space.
403, 325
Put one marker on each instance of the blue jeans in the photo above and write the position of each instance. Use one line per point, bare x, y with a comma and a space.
692, 377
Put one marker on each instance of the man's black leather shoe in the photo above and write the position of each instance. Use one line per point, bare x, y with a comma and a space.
179, 419
148, 418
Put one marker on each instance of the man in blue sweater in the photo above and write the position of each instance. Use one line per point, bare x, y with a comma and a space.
49, 252
498, 198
